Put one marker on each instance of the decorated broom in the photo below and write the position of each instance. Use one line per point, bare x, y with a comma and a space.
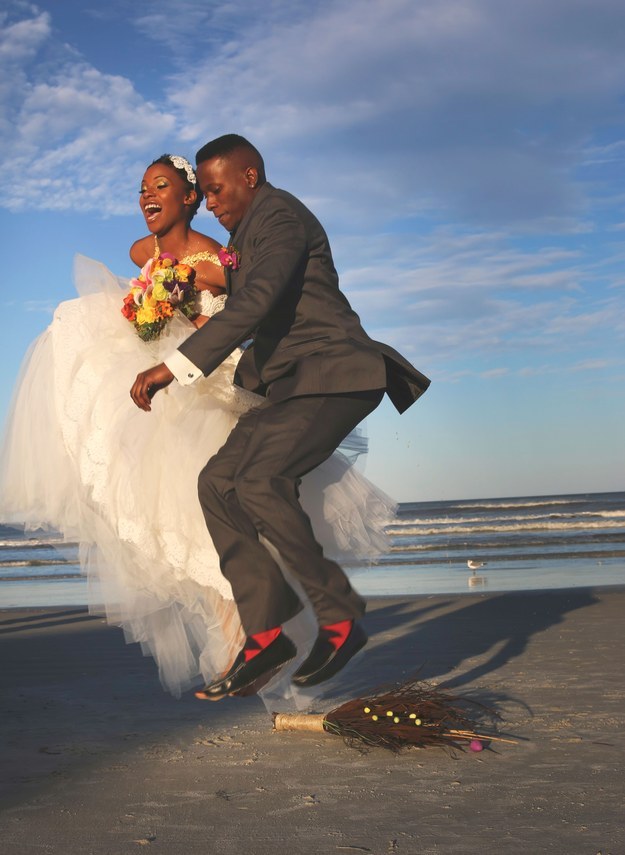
415, 714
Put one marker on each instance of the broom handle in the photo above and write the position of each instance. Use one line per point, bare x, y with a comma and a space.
467, 734
298, 721
315, 723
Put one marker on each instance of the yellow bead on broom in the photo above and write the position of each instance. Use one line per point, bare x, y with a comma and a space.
415, 714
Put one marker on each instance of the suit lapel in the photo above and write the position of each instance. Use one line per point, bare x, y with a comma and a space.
237, 237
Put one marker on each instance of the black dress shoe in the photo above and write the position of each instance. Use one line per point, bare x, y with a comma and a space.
243, 674
324, 660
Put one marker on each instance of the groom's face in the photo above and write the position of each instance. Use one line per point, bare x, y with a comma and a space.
228, 187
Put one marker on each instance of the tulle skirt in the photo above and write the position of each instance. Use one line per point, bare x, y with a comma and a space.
80, 458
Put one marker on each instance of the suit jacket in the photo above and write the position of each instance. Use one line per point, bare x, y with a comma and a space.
285, 295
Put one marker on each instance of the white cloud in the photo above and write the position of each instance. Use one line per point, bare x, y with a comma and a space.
20, 40
593, 365
79, 139
481, 108
482, 300
494, 373
72, 152
475, 110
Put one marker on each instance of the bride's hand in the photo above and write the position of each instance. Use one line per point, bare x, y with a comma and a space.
148, 384
199, 321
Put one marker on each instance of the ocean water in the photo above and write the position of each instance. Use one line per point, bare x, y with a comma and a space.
525, 543
528, 543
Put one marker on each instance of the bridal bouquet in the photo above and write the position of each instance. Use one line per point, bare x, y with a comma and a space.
162, 286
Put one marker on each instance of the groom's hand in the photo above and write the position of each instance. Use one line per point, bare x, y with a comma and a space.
148, 383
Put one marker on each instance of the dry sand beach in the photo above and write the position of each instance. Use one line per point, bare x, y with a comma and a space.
98, 759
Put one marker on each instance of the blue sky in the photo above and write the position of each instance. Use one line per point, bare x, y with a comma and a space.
465, 156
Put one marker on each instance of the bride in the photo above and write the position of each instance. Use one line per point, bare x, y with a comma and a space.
80, 458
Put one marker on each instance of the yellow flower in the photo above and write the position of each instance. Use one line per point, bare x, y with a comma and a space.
146, 314
148, 299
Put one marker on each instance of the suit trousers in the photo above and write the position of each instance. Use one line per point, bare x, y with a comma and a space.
250, 488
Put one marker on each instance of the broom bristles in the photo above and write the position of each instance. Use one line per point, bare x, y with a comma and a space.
414, 714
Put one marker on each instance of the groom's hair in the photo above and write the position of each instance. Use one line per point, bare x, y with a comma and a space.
226, 146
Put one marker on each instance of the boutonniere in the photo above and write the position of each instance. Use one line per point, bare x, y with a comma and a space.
229, 257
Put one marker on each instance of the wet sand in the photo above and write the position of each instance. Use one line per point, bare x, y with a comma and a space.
98, 759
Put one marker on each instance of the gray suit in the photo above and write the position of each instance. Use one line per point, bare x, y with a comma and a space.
320, 374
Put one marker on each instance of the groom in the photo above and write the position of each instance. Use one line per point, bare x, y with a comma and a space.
320, 375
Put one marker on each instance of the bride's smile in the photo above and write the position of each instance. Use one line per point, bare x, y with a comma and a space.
150, 210
164, 195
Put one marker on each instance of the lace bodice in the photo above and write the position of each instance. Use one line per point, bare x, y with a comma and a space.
208, 304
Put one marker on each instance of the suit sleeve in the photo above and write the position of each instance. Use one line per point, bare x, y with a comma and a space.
279, 248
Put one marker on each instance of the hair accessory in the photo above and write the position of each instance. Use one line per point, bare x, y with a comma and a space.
182, 163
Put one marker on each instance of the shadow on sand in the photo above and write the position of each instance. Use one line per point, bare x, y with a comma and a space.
430, 640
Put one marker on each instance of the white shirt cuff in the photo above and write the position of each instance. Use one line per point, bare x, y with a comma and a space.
185, 371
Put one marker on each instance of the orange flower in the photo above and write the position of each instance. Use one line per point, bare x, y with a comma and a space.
184, 272
129, 309
165, 310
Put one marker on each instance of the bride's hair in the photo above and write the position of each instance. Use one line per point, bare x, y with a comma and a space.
226, 145
184, 170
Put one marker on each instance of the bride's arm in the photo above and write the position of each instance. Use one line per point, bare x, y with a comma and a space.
210, 280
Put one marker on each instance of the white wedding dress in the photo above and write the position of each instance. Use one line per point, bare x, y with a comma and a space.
79, 457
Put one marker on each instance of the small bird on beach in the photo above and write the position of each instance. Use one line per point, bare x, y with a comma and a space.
475, 565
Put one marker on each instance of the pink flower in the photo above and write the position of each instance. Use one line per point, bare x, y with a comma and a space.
144, 278
229, 257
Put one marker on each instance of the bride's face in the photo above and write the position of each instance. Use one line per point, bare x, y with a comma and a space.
165, 198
